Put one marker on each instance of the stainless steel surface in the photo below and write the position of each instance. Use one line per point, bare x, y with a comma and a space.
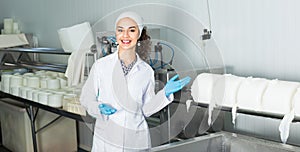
262, 127
37, 50
182, 124
47, 67
226, 142
190, 130
162, 76
18, 57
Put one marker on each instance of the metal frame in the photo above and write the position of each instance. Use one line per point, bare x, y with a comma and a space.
32, 109
248, 112
36, 50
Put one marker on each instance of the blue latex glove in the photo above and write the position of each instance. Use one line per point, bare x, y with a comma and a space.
106, 109
173, 86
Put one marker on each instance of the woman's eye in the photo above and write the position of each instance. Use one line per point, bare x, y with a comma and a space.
132, 30
120, 30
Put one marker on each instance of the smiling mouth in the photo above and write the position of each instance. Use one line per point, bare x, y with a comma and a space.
126, 41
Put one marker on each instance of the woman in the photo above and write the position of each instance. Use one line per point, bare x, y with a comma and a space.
119, 91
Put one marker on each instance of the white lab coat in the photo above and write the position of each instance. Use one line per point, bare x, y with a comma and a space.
134, 98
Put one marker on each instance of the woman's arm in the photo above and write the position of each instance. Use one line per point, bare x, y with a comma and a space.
154, 102
88, 98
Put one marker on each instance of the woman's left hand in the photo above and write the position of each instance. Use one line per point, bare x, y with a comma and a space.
173, 86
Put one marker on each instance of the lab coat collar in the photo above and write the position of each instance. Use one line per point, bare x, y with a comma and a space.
137, 65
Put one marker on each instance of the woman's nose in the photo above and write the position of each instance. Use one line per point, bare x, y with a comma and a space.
125, 34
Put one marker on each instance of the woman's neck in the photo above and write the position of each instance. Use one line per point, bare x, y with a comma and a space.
127, 56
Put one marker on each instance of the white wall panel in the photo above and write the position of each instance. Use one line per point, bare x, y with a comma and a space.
259, 37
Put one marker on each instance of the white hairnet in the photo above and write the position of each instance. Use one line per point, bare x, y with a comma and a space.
137, 18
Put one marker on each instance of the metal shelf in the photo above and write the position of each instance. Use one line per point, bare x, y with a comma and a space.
47, 67
37, 50
32, 109
28, 62
58, 111
37, 66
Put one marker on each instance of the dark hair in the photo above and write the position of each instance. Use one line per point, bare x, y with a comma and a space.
144, 48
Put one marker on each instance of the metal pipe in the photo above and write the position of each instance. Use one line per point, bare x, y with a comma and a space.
37, 110
31, 111
51, 122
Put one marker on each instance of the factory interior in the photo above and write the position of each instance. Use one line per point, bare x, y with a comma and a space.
241, 58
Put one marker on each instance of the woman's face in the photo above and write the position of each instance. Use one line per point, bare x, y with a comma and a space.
127, 33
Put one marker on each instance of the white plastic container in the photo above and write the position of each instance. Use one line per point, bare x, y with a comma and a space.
16, 80
23, 92
35, 95
29, 94
55, 100
63, 82
43, 83
53, 83
43, 97
15, 90
33, 81
5, 78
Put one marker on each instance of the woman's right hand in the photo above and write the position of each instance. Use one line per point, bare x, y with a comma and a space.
106, 109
